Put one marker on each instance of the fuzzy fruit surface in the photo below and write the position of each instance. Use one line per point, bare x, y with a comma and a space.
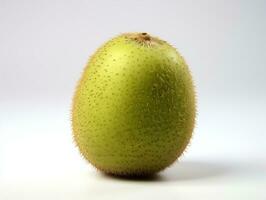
134, 107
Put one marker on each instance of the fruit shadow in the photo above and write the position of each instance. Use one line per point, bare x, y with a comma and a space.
181, 171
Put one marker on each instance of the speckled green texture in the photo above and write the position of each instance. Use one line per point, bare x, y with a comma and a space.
134, 107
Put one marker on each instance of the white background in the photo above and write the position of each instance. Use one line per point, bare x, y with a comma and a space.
44, 46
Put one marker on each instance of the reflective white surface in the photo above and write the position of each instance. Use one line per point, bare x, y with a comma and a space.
39, 160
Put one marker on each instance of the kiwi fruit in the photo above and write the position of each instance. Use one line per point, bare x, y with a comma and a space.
133, 110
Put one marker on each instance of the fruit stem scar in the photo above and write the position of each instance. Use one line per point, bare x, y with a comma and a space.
145, 36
